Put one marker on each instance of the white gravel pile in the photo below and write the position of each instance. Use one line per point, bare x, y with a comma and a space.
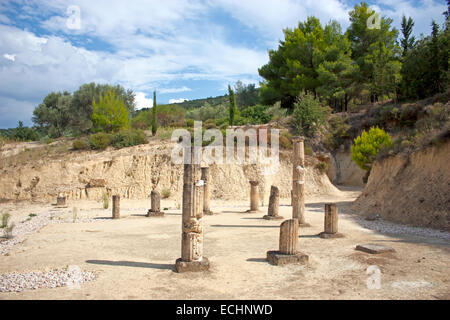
18, 282
33, 224
395, 228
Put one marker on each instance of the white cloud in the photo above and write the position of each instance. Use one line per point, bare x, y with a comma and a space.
174, 90
142, 101
151, 44
10, 57
178, 100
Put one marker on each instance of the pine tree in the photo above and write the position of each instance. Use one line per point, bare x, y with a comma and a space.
436, 83
154, 121
110, 113
407, 42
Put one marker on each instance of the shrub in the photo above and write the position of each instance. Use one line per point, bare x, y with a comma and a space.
322, 167
308, 150
100, 141
286, 140
5, 220
368, 145
210, 124
276, 113
337, 133
165, 193
189, 123
309, 115
129, 138
47, 140
9, 231
256, 114
105, 199
80, 145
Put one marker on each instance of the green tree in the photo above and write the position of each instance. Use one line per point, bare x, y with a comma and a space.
367, 146
407, 42
109, 113
309, 115
337, 73
425, 66
385, 67
53, 114
293, 67
154, 116
82, 102
246, 95
364, 42
232, 108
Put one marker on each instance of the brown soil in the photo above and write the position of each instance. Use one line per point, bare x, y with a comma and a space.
412, 189
134, 257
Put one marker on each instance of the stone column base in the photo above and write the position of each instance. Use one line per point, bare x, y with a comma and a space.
193, 266
325, 235
280, 259
151, 213
267, 217
208, 213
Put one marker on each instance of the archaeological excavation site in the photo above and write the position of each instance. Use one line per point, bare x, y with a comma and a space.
90, 223
203, 151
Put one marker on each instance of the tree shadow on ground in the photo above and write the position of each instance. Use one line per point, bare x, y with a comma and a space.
133, 264
406, 234
240, 226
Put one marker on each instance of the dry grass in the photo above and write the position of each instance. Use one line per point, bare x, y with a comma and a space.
52, 151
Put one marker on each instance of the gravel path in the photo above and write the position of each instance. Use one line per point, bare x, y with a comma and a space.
72, 277
383, 226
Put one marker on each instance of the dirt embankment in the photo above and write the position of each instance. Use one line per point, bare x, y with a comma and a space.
342, 170
411, 189
134, 172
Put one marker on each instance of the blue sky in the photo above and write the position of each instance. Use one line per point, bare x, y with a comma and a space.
183, 49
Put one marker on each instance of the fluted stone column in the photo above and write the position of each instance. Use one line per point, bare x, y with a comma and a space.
155, 211
206, 192
116, 207
331, 222
192, 232
298, 182
274, 204
254, 197
288, 252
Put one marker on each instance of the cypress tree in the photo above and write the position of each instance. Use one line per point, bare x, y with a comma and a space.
154, 122
232, 105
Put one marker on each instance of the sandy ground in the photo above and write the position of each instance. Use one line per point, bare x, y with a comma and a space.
133, 258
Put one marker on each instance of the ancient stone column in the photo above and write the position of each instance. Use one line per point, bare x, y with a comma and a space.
274, 204
116, 207
60, 201
331, 222
192, 232
298, 181
288, 252
289, 237
206, 192
254, 196
155, 211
